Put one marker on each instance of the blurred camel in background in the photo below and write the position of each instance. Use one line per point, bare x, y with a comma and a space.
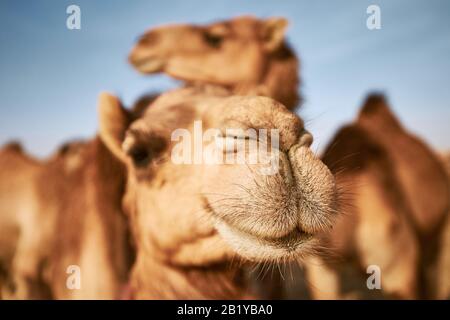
397, 206
441, 274
80, 197
245, 54
67, 212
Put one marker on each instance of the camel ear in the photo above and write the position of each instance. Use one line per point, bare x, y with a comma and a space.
114, 121
274, 30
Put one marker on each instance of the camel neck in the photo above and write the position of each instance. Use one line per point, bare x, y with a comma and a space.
153, 279
281, 78
279, 81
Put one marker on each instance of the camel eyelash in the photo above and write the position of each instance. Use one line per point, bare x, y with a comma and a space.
140, 155
143, 149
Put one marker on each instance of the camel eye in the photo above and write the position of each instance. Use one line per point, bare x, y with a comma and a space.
141, 156
142, 148
231, 144
212, 40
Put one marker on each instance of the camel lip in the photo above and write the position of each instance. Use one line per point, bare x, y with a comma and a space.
293, 246
148, 64
294, 236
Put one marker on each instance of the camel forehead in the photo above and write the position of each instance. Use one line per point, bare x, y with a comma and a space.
245, 26
180, 108
166, 118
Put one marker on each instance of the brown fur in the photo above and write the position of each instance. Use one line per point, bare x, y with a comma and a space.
423, 181
75, 199
93, 231
17, 198
440, 274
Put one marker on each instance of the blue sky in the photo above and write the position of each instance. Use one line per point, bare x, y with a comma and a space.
50, 76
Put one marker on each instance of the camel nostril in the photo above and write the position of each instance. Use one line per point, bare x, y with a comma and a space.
306, 139
315, 188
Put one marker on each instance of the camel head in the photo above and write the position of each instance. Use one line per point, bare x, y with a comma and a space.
198, 212
244, 54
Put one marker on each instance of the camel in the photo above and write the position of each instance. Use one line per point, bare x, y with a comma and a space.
225, 212
440, 272
38, 191
397, 205
442, 269
86, 191
423, 181
65, 216
246, 55
17, 198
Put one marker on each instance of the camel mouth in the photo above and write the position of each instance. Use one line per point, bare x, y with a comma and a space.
294, 244
148, 64
273, 217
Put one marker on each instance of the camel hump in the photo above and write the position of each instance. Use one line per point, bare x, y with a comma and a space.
376, 110
352, 148
141, 105
71, 147
375, 102
418, 169
14, 146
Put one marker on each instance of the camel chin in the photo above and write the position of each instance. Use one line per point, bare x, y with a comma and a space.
294, 245
278, 217
153, 65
